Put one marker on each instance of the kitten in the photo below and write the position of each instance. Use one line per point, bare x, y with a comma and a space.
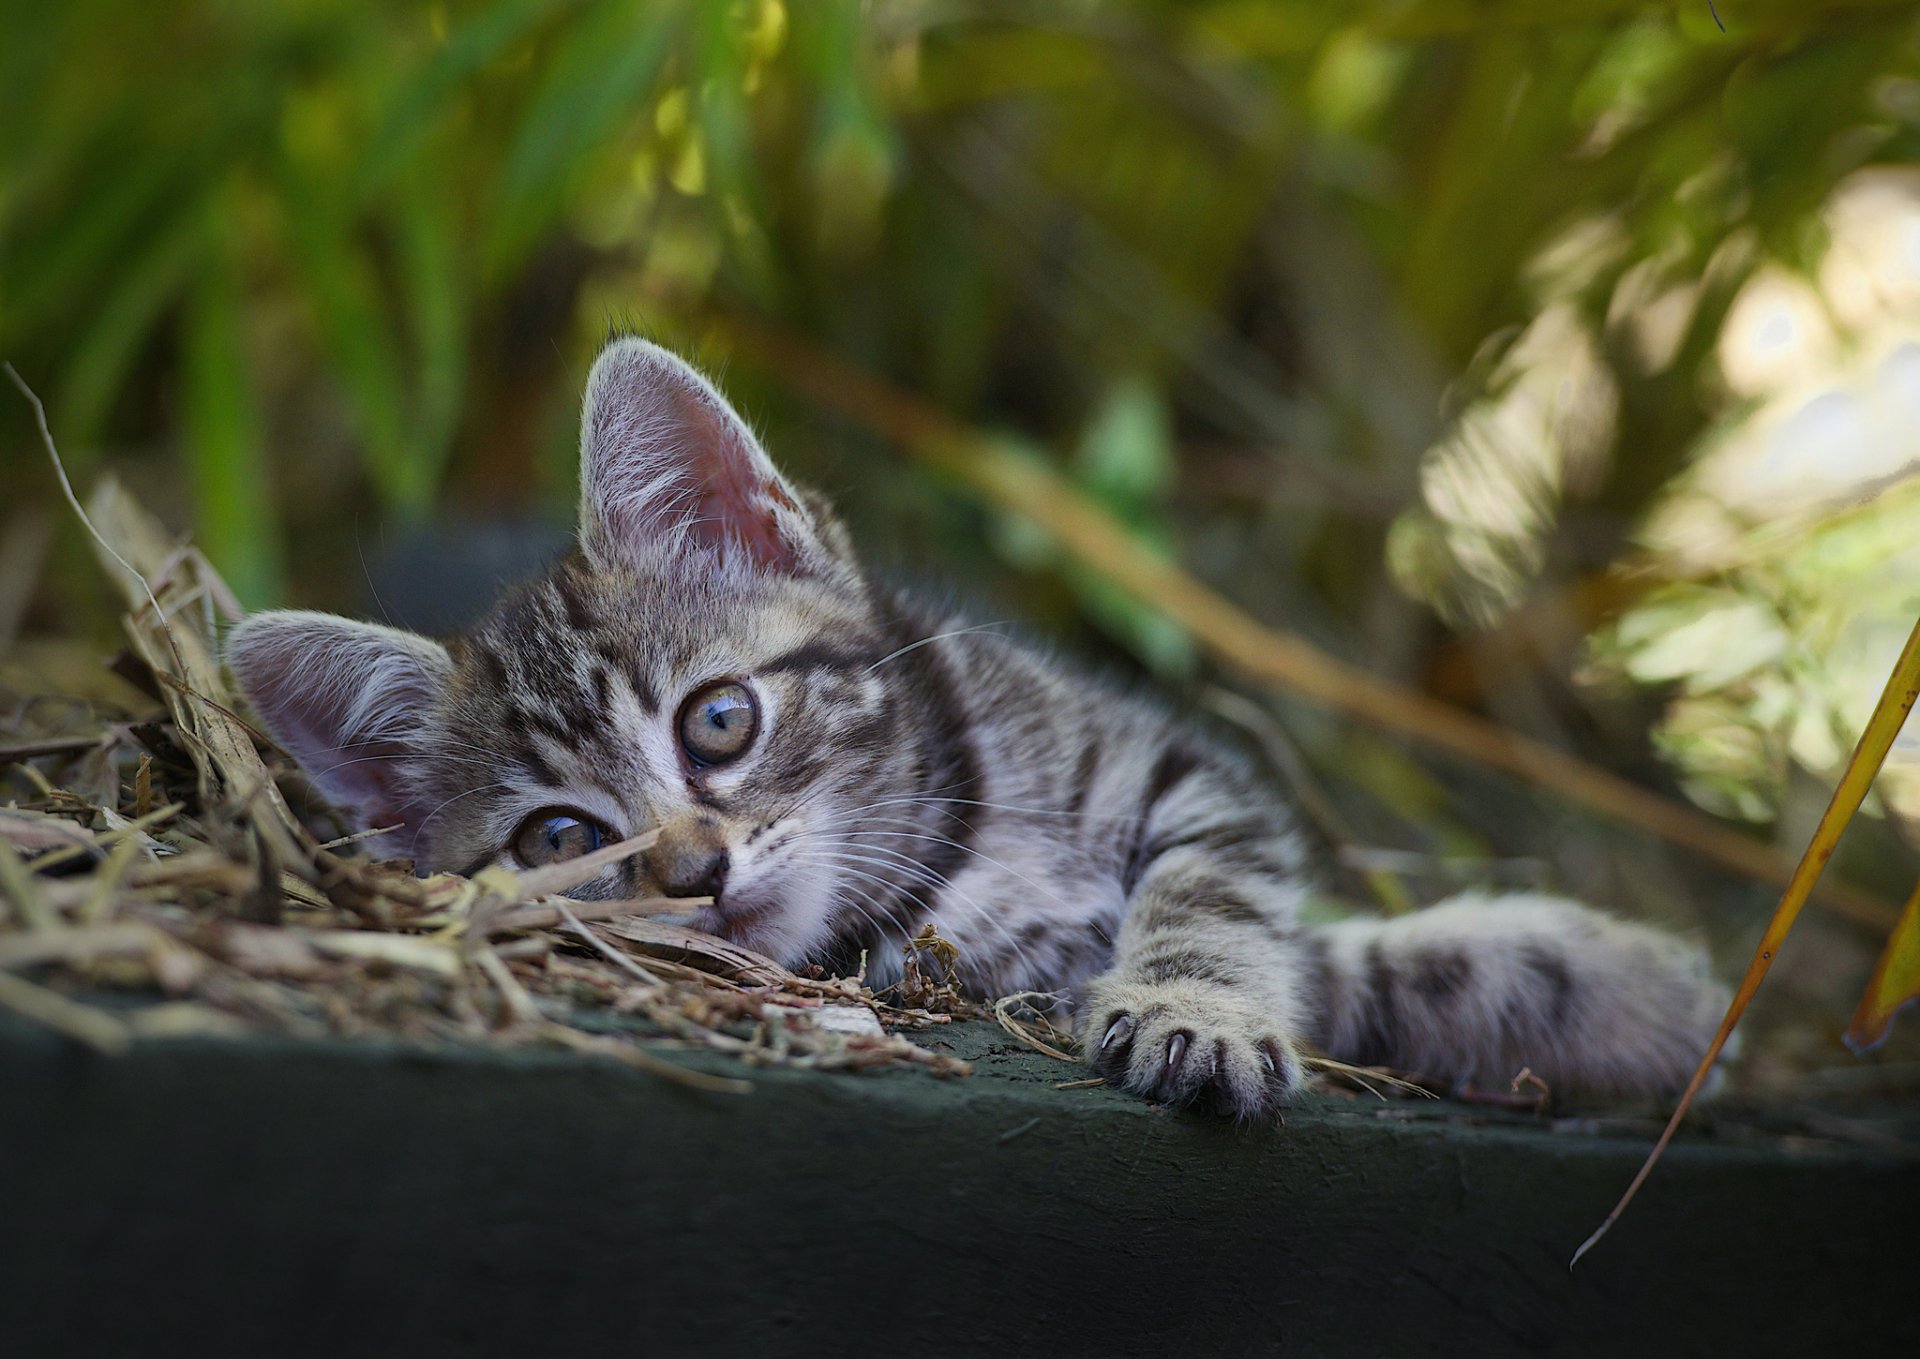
838, 765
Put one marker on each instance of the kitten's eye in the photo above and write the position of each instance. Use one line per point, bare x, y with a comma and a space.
717, 723
552, 837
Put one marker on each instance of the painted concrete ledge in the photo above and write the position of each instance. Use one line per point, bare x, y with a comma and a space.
270, 1198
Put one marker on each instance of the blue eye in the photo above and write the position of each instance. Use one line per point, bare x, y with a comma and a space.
553, 837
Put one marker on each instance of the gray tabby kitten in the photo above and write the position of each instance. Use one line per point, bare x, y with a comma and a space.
839, 765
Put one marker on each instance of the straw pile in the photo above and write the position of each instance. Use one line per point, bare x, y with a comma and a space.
154, 854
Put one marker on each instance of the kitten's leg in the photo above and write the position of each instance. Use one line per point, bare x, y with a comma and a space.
1216, 987
1213, 979
1474, 989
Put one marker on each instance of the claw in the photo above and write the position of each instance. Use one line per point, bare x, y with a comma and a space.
1266, 1055
1116, 1032
1176, 1050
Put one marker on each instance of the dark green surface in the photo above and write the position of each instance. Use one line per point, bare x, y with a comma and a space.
269, 1198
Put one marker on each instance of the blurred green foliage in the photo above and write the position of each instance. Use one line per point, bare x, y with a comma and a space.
1352, 305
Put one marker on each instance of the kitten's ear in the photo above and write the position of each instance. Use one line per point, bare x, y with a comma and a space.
667, 464
351, 701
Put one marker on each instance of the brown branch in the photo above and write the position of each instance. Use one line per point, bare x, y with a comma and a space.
1237, 639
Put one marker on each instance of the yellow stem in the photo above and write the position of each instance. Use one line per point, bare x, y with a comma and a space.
1889, 715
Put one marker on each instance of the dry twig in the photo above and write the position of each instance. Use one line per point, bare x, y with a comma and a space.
1038, 1035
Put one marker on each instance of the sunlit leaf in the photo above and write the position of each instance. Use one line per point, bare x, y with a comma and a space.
1125, 462
1718, 644
1125, 457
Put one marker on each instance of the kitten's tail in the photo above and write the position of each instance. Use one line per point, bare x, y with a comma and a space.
1476, 988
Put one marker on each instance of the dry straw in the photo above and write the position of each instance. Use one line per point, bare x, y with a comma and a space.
155, 853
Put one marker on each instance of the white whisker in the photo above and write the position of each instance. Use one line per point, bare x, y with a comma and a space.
938, 637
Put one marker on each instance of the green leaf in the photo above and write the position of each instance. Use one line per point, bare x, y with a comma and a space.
344, 298
225, 446
1125, 457
414, 106
113, 206
608, 61
114, 334
433, 287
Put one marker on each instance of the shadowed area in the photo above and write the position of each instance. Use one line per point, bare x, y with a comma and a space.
325, 1198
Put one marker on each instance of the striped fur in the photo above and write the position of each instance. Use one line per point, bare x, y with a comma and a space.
910, 770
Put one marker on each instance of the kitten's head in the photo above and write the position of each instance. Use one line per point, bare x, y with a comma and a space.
702, 665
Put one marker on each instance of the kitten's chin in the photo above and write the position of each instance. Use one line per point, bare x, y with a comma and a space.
751, 923
784, 916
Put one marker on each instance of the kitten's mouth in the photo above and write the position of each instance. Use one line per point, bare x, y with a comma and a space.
736, 921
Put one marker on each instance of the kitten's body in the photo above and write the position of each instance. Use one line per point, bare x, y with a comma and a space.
908, 770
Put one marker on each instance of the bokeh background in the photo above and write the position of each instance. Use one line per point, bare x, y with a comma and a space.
1560, 360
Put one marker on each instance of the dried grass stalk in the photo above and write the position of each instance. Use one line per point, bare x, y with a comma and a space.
184, 876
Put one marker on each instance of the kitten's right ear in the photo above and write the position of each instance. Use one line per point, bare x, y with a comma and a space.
669, 470
350, 701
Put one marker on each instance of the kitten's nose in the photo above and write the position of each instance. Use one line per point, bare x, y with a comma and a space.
698, 879
690, 857
694, 871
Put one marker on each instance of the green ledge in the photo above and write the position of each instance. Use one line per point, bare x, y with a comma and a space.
269, 1198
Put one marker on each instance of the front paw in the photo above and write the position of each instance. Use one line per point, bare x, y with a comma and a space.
1189, 1042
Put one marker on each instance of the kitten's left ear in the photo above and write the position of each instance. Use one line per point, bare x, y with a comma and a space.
353, 702
667, 465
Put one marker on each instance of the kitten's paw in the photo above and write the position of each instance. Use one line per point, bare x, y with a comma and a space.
1189, 1042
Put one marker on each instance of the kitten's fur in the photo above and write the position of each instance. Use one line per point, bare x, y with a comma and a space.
1065, 835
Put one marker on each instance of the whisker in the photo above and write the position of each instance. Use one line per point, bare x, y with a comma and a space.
906, 864
979, 854
880, 928
938, 637
421, 829
1007, 807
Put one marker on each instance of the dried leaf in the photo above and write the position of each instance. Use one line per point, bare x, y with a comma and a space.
400, 950
678, 944
36, 833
